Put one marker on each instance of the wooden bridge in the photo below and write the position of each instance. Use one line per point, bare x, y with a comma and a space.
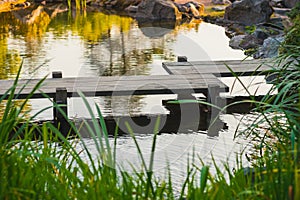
185, 78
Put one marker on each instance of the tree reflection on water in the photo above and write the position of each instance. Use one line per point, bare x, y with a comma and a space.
111, 44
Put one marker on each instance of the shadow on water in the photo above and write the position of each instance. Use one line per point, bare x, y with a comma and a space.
156, 29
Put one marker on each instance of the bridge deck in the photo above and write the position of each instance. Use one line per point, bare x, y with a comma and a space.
220, 68
184, 78
116, 85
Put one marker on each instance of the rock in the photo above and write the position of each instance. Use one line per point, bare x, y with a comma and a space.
218, 8
276, 23
190, 9
270, 47
234, 29
116, 4
194, 11
158, 10
131, 9
290, 3
22, 5
276, 3
235, 41
260, 34
244, 42
220, 2
121, 5
281, 11
249, 12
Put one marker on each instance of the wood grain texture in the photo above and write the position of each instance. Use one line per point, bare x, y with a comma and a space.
185, 77
220, 68
115, 85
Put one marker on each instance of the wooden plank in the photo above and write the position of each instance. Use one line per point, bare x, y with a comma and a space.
123, 85
221, 62
219, 68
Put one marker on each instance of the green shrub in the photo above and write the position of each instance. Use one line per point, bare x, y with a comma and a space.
292, 38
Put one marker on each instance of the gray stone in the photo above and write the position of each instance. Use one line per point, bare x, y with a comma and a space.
244, 42
270, 47
218, 8
157, 10
276, 3
260, 34
281, 11
290, 3
249, 12
190, 9
132, 9
220, 2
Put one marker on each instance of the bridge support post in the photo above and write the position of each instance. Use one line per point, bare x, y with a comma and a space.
217, 103
60, 120
182, 59
60, 100
55, 74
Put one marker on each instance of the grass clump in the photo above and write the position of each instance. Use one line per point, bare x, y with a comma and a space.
54, 167
292, 38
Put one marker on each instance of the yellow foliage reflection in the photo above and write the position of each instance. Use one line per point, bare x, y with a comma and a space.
94, 26
10, 60
18, 23
16, 104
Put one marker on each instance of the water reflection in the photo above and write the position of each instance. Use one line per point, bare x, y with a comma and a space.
108, 44
96, 44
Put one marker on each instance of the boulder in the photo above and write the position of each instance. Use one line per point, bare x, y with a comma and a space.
190, 9
260, 34
270, 47
290, 3
249, 12
234, 29
113, 4
121, 5
218, 8
282, 11
276, 3
220, 2
131, 9
157, 10
244, 42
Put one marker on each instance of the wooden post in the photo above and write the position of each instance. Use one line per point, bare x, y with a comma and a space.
182, 59
213, 93
185, 95
213, 97
215, 124
61, 98
55, 74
